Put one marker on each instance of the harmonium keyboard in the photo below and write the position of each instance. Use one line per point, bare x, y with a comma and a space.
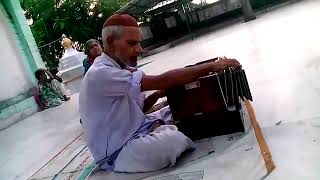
210, 106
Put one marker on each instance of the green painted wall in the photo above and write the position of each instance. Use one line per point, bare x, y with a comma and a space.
22, 105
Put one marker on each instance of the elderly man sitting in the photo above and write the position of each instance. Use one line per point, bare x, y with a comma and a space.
120, 136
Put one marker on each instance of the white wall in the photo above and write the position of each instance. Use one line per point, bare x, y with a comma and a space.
13, 77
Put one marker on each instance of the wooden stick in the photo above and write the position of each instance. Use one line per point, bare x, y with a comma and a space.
265, 152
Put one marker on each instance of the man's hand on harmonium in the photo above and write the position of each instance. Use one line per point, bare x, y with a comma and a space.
161, 93
224, 63
209, 60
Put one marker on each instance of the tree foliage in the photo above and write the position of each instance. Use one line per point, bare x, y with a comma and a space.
79, 19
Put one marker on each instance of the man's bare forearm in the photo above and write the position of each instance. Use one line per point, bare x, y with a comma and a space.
183, 76
175, 77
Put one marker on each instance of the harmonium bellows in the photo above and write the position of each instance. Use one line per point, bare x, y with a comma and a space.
211, 105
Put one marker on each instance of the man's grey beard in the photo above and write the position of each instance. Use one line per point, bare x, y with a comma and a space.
128, 64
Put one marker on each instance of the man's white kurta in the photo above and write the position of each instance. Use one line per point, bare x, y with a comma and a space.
111, 106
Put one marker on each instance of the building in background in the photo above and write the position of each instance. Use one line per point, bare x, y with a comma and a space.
165, 21
20, 58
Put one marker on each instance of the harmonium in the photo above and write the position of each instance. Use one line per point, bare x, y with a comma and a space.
210, 106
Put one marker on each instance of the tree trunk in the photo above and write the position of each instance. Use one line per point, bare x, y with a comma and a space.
247, 10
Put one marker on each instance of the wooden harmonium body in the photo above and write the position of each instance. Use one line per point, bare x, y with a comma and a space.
210, 106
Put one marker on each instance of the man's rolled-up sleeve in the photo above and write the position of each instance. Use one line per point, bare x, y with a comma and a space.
135, 86
117, 82
110, 81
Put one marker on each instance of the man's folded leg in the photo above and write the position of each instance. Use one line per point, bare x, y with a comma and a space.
154, 151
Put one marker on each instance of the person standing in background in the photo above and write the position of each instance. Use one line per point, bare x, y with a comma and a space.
92, 50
